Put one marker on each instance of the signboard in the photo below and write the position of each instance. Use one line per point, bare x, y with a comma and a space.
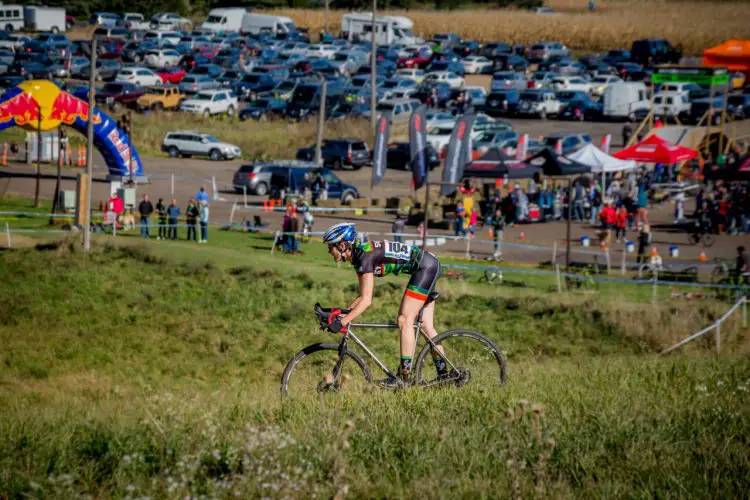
684, 74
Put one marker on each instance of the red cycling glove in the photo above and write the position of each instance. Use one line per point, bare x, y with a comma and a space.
334, 322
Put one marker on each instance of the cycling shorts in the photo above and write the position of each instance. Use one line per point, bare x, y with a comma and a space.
423, 280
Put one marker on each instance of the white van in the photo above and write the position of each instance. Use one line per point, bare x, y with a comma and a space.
390, 29
254, 24
626, 100
671, 104
50, 19
224, 20
11, 17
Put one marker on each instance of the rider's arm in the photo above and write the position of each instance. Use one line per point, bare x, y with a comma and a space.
361, 303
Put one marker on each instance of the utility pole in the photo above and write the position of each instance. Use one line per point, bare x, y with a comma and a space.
89, 151
373, 71
38, 155
326, 19
321, 120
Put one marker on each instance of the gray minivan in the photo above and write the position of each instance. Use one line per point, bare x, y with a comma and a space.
263, 178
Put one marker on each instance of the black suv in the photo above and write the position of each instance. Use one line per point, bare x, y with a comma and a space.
339, 152
502, 102
653, 51
399, 156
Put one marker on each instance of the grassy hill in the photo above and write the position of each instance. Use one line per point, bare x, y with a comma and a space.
153, 370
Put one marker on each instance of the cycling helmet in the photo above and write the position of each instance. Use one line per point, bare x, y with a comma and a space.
343, 231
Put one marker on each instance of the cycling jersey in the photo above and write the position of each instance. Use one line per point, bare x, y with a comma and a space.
389, 257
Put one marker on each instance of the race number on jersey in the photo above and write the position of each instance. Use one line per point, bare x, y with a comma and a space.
397, 251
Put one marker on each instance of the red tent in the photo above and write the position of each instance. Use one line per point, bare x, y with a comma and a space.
654, 149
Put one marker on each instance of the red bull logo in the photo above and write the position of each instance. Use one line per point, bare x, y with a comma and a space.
42, 106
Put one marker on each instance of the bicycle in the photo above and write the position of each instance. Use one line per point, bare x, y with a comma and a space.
719, 273
470, 356
492, 276
740, 286
700, 233
585, 282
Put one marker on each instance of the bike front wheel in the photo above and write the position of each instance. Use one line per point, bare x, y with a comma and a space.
709, 239
471, 358
318, 369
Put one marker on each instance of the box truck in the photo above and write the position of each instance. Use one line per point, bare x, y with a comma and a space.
224, 20
50, 19
255, 24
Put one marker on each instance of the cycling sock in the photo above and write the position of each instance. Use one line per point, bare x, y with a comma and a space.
440, 365
404, 368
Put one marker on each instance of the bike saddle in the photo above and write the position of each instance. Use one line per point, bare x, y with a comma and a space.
432, 297
324, 313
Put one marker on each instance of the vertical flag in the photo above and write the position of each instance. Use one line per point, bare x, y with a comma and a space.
558, 147
382, 131
455, 160
606, 141
522, 147
417, 147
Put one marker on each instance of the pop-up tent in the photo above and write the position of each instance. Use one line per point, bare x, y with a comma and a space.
554, 165
732, 54
654, 149
495, 165
599, 161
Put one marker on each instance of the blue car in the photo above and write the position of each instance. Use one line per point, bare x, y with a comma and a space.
263, 108
212, 70
454, 66
254, 83
582, 110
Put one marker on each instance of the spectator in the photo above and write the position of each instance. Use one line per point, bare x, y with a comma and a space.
398, 228
459, 222
595, 200
173, 212
608, 217
621, 226
627, 133
191, 214
472, 221
294, 227
578, 198
286, 228
145, 209
115, 209
498, 225
644, 240
161, 211
201, 196
204, 222
642, 201
679, 202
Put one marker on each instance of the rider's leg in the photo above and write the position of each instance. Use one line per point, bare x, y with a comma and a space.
407, 315
428, 325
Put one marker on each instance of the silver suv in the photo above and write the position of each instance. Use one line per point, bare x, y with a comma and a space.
187, 143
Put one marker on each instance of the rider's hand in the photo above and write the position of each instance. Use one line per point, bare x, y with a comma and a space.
334, 322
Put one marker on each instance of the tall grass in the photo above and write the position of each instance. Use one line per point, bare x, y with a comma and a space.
693, 24
141, 373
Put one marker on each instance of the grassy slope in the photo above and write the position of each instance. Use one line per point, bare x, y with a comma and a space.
155, 371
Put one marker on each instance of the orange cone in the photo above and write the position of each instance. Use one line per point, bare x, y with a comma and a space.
703, 257
522, 237
654, 253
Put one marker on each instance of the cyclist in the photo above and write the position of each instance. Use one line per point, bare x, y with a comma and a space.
379, 258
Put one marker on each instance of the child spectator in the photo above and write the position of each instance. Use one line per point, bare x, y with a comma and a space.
621, 226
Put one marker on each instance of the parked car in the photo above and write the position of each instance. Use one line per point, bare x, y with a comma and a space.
439, 136
211, 102
187, 143
510, 62
261, 178
254, 83
212, 70
502, 102
105, 19
583, 108
576, 83
192, 84
398, 156
173, 74
169, 21
503, 80
106, 71
161, 58
626, 101
400, 109
449, 77
570, 142
69, 67
263, 108
541, 103
671, 104
654, 51
135, 22
545, 50
489, 50
599, 84
541, 80
338, 153
139, 76
615, 56
477, 64
161, 97
117, 95
414, 74
416, 58
491, 139
740, 104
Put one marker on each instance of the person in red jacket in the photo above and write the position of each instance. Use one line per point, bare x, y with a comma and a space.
608, 217
115, 207
621, 224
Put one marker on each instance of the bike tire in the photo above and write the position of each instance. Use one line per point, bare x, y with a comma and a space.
694, 238
494, 359
709, 239
329, 353
718, 274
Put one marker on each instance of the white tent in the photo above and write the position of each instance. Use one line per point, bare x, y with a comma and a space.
599, 161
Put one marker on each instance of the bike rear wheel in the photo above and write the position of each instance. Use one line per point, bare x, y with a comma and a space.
472, 360
709, 239
313, 370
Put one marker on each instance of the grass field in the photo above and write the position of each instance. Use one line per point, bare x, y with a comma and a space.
614, 24
153, 370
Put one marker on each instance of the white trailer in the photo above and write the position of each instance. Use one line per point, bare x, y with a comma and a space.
624, 100
11, 17
50, 19
256, 24
224, 20
389, 29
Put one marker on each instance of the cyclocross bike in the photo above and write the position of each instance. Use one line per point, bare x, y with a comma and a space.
326, 367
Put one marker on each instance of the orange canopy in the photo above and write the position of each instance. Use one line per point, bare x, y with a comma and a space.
733, 54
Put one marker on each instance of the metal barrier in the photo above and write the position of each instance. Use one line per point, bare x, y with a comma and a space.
716, 327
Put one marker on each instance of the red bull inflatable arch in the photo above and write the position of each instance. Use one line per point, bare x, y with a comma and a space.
24, 105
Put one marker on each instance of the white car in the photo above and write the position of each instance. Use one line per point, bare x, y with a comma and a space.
477, 64
143, 77
161, 58
449, 77
599, 84
187, 143
169, 21
135, 22
438, 137
211, 102
316, 50
413, 73
575, 83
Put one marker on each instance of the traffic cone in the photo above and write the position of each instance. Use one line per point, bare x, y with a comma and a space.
654, 252
703, 257
522, 236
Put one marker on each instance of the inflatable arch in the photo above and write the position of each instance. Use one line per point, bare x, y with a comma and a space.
23, 105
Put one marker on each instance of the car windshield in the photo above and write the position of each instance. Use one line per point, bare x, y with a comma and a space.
112, 88
531, 96
156, 91
251, 78
385, 107
203, 97
391, 84
600, 79
285, 85
485, 137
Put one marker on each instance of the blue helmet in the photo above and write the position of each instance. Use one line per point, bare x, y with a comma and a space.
343, 231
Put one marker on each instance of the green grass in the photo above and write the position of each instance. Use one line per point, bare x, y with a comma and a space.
153, 369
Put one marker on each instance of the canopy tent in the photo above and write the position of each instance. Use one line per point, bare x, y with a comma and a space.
599, 161
495, 165
732, 54
739, 171
554, 165
654, 149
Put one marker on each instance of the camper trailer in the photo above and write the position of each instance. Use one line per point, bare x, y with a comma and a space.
50, 19
255, 24
390, 29
224, 20
626, 101
11, 17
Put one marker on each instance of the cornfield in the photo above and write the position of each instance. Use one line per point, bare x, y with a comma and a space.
693, 24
